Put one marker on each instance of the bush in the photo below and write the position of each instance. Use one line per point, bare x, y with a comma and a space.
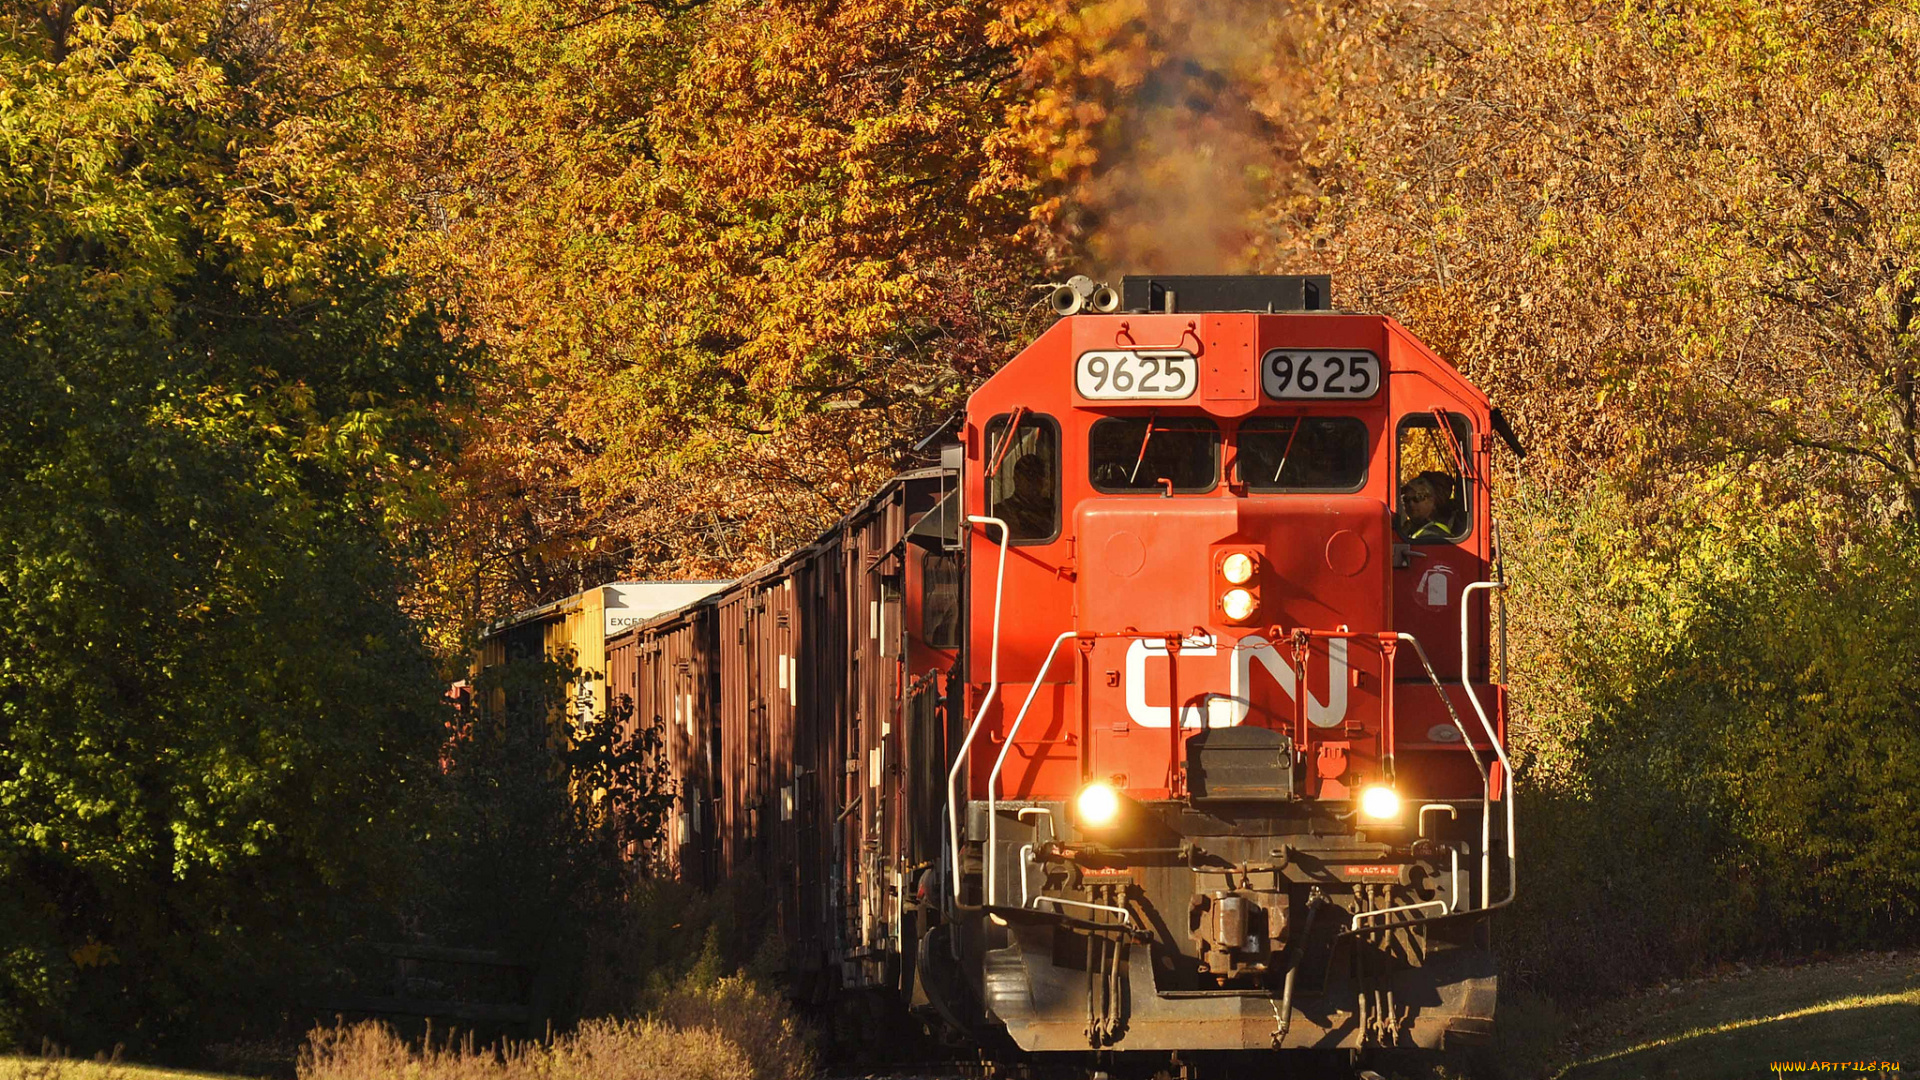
1715, 715
665, 932
758, 1022
599, 1050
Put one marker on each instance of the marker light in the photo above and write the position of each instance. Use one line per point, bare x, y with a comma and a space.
1098, 804
1380, 803
1237, 568
1238, 604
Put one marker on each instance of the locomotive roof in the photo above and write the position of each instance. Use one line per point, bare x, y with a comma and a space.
1046, 363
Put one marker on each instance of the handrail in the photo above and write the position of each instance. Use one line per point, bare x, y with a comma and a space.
993, 690
1486, 779
1006, 747
1453, 900
993, 778
1506, 767
1362, 916
1125, 915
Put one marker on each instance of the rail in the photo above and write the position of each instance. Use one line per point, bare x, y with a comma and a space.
1486, 778
1453, 898
1511, 837
1125, 915
993, 691
1480, 765
993, 778
1362, 916
991, 860
992, 893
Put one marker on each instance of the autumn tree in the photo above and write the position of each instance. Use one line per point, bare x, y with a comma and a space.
216, 400
732, 261
1661, 236
1677, 244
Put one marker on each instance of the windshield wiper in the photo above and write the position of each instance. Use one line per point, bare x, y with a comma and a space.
1287, 451
1134, 476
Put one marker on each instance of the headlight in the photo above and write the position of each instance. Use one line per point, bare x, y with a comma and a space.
1237, 568
1380, 803
1097, 805
1238, 604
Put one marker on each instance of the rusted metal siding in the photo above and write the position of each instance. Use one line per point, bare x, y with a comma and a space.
789, 753
817, 752
668, 668
729, 825
624, 706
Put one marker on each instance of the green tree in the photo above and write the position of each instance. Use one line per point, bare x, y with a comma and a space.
215, 403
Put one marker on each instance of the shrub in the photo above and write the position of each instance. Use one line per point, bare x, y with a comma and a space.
599, 1050
649, 1050
1716, 715
758, 1022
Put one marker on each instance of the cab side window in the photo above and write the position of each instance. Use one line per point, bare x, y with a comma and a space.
1023, 477
940, 599
1434, 493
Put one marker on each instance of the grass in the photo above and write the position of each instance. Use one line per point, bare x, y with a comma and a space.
36, 1068
702, 1028
1730, 1026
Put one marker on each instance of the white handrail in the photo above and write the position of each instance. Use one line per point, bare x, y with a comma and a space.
1486, 823
1125, 915
1006, 747
1506, 767
1360, 916
993, 690
1453, 814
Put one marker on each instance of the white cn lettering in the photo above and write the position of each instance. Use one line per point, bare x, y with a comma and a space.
1232, 707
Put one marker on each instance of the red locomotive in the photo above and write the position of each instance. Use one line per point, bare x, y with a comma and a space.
1161, 716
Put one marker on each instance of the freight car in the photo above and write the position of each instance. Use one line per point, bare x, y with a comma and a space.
1160, 716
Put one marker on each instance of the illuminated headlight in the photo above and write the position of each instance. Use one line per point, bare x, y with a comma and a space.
1380, 803
1238, 604
1237, 568
1097, 805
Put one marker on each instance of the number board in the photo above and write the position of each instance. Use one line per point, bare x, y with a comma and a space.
1136, 374
1320, 373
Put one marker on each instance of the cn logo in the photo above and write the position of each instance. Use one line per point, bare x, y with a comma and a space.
1232, 707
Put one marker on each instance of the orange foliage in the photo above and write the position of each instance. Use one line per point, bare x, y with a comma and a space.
730, 260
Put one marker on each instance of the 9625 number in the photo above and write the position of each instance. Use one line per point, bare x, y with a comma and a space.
1130, 375
1319, 373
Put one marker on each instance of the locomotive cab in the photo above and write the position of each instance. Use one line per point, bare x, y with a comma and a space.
1226, 757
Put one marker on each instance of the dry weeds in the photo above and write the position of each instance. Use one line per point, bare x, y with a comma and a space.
726, 1030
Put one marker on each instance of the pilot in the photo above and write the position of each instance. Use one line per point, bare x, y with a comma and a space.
1028, 510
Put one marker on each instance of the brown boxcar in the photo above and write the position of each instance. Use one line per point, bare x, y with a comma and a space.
790, 702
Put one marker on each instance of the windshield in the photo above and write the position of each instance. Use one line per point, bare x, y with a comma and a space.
1138, 455
1303, 453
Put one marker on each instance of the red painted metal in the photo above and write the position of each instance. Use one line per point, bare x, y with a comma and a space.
1327, 565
